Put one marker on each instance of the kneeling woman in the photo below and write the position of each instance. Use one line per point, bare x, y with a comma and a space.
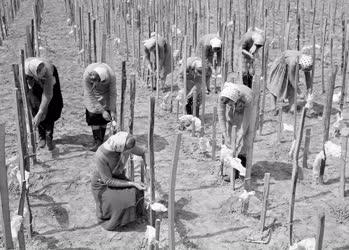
117, 198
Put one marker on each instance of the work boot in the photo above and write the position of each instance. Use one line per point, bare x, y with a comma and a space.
42, 137
102, 133
97, 139
49, 138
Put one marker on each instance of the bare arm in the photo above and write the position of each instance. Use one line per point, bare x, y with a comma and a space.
47, 95
246, 53
222, 118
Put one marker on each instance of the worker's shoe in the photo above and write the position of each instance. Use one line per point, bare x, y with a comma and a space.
42, 137
49, 139
98, 136
97, 140
42, 142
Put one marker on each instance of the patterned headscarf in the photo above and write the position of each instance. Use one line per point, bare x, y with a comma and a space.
116, 143
236, 92
306, 62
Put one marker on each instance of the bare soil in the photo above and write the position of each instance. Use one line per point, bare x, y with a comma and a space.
207, 209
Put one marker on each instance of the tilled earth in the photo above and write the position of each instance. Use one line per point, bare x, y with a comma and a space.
207, 209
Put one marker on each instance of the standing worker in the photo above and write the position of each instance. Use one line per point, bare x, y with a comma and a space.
194, 82
99, 99
234, 108
283, 76
212, 45
45, 97
165, 57
250, 42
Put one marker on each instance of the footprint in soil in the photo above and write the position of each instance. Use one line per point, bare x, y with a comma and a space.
59, 212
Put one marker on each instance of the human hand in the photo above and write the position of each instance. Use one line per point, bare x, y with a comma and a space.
140, 186
37, 119
106, 116
113, 116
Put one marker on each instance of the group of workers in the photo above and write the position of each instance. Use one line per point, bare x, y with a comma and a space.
117, 198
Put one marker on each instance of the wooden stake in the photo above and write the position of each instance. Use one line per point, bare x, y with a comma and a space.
123, 89
104, 49
214, 143
233, 143
89, 53
151, 157
157, 233
251, 133
323, 57
265, 200
344, 144
320, 231
203, 89
94, 40
172, 198
264, 87
327, 118
306, 147
4, 208
295, 170
185, 74
27, 110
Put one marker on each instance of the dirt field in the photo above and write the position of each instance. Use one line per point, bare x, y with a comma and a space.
207, 210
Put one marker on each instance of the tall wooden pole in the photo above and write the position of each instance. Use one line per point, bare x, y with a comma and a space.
151, 157
123, 90
327, 118
171, 199
4, 208
295, 169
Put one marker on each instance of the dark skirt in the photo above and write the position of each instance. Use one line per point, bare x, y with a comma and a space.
94, 119
55, 106
116, 207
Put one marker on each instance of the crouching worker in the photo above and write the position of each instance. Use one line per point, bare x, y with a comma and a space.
282, 77
234, 107
212, 45
99, 99
194, 82
164, 57
118, 200
250, 42
45, 97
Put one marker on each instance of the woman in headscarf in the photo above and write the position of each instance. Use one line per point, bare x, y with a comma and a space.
194, 82
99, 84
45, 97
118, 200
212, 45
283, 73
164, 58
250, 42
234, 108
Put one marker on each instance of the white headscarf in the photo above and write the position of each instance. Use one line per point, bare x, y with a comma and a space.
116, 142
216, 42
30, 67
102, 72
